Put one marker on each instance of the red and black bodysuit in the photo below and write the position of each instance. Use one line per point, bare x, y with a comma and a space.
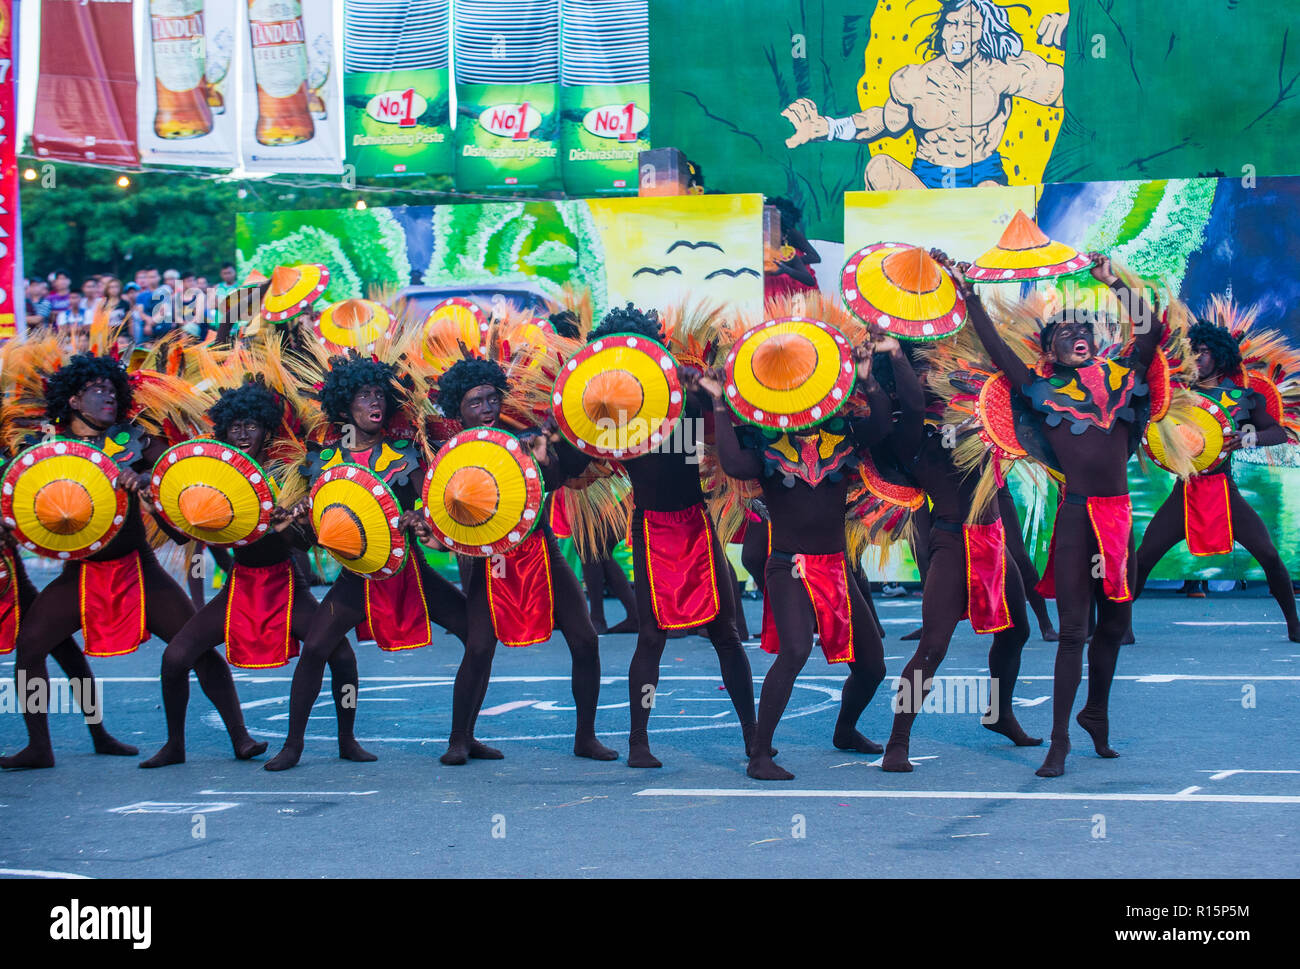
1209, 512
117, 597
971, 573
395, 612
805, 478
1091, 419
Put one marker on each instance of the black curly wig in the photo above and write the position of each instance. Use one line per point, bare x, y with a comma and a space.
1094, 318
1221, 344
253, 401
462, 377
70, 379
629, 320
347, 377
791, 215
565, 323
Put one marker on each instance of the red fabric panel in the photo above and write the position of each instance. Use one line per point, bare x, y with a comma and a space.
259, 616
9, 609
682, 574
112, 606
986, 577
1207, 516
397, 616
826, 581
1112, 524
521, 598
560, 515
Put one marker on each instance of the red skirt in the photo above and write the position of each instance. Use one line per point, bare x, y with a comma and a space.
521, 597
558, 516
112, 605
1112, 525
986, 577
826, 580
259, 616
9, 608
1207, 514
397, 617
680, 567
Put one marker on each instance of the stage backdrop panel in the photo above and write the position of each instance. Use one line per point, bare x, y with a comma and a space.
961, 222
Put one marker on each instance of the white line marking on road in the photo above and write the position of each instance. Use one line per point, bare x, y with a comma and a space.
982, 834
295, 793
37, 873
174, 807
976, 795
1220, 775
1189, 790
1258, 622
505, 707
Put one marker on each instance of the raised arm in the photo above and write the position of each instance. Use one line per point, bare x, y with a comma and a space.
909, 433
737, 461
1146, 327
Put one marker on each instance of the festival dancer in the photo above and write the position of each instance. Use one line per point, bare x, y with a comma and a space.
91, 398
370, 413
1207, 509
674, 538
265, 608
806, 476
472, 391
1092, 411
970, 572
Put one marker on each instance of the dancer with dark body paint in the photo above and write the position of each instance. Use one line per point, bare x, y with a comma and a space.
918, 448
85, 399
265, 629
806, 509
1092, 415
363, 394
471, 391
1229, 518
668, 499
1029, 577
16, 597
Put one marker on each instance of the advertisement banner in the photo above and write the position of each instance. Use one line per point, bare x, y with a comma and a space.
86, 91
188, 83
292, 110
11, 300
507, 74
397, 87
604, 94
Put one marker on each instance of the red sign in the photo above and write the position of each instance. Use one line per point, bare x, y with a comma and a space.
85, 96
11, 301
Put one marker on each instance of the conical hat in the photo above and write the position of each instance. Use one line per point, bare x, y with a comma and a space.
789, 373
903, 291
1205, 431
356, 518
618, 397
61, 499
353, 324
293, 289
1025, 252
451, 321
213, 492
483, 492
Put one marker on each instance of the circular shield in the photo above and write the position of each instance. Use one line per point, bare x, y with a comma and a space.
902, 290
1202, 434
213, 492
618, 397
1025, 252
483, 492
352, 324
61, 499
293, 289
888, 488
356, 518
789, 373
451, 322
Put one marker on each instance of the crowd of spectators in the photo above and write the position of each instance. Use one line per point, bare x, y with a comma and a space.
150, 306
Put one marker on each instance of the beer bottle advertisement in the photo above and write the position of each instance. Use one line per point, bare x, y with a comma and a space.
397, 88
507, 92
188, 48
604, 94
291, 112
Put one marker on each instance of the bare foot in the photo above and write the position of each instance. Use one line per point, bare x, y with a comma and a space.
854, 741
763, 768
593, 748
640, 756
895, 758
481, 751
168, 755
286, 758
349, 749
1054, 763
28, 758
1009, 727
1098, 727
106, 743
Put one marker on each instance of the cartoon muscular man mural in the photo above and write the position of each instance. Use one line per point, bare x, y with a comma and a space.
956, 102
